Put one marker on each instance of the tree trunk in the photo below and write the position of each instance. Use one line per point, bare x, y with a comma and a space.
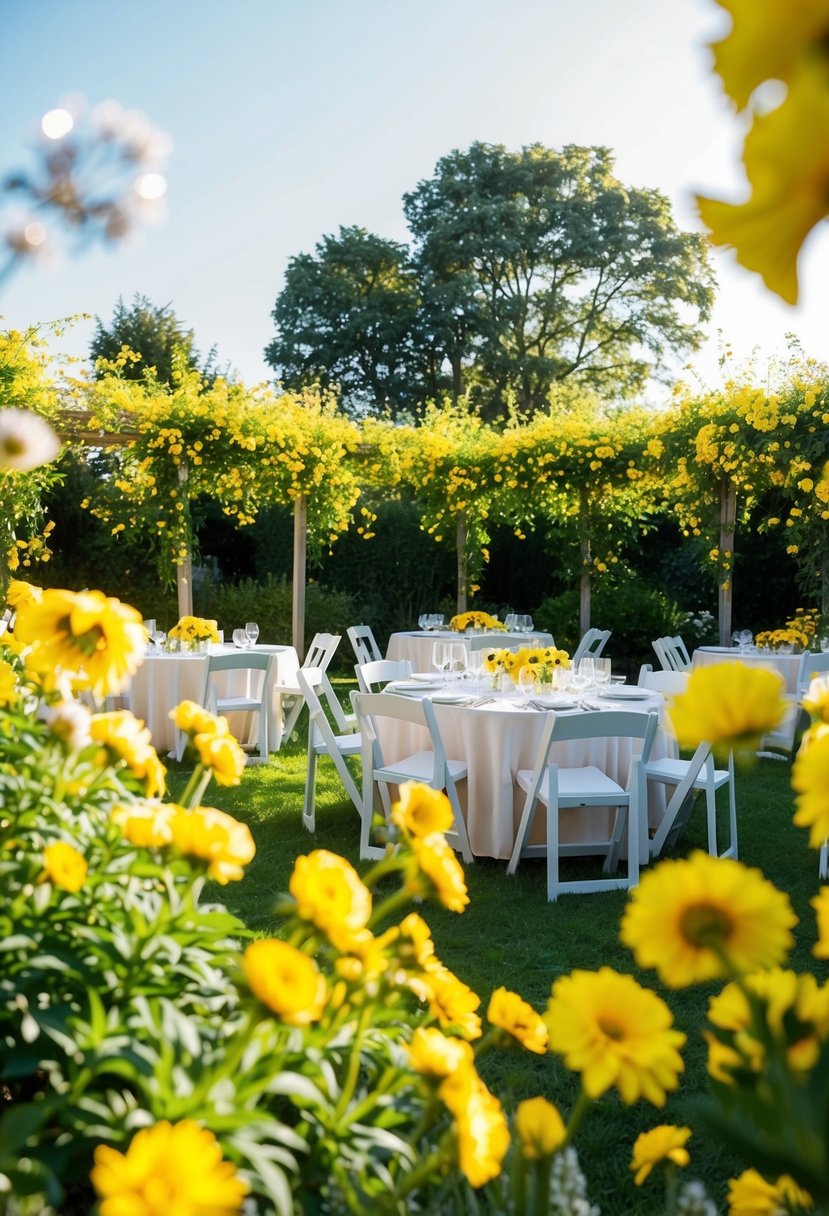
184, 569
463, 563
586, 560
300, 551
728, 524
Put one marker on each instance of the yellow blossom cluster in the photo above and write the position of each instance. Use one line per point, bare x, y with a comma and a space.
475, 620
194, 629
542, 660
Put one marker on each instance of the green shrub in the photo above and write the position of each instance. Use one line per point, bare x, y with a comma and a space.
635, 612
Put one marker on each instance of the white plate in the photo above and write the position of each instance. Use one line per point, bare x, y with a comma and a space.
410, 686
450, 698
421, 677
625, 692
554, 702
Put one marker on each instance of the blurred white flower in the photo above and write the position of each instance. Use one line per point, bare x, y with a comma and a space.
26, 441
69, 722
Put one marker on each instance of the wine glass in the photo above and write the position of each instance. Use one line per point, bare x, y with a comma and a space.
457, 659
440, 659
510, 622
423, 621
746, 639
528, 624
526, 683
239, 638
158, 637
251, 632
601, 672
580, 680
588, 670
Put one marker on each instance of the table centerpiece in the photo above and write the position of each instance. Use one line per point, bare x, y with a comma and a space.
475, 622
194, 633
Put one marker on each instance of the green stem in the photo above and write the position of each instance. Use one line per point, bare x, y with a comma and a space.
543, 1170
389, 906
354, 1062
576, 1116
671, 1187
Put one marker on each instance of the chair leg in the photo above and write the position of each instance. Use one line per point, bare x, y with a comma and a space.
308, 810
289, 724
460, 824
620, 829
711, 808
553, 842
823, 864
524, 829
732, 811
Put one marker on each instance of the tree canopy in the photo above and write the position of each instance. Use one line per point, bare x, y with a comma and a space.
526, 269
155, 335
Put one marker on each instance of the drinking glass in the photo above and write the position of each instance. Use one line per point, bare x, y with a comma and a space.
526, 683
158, 637
528, 624
239, 638
251, 632
588, 670
422, 621
509, 622
735, 639
824, 645
439, 658
580, 680
746, 639
601, 672
458, 659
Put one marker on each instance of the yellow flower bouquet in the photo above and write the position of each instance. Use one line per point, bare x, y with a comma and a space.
475, 620
194, 629
543, 660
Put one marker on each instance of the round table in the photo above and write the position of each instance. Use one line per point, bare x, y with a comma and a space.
787, 664
416, 646
497, 739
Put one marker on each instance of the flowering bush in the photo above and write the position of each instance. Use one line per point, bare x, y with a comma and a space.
475, 620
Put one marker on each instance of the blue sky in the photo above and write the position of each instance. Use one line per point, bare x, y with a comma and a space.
290, 118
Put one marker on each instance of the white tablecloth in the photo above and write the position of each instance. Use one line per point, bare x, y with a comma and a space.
417, 646
165, 679
787, 664
496, 741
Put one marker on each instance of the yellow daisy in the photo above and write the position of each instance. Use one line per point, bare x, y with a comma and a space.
663, 1143
286, 980
330, 893
482, 1131
214, 837
432, 1054
223, 755
614, 1032
752, 1195
767, 42
511, 1013
704, 918
64, 866
442, 870
821, 906
728, 705
97, 640
451, 1001
421, 810
539, 1127
146, 823
168, 1168
810, 781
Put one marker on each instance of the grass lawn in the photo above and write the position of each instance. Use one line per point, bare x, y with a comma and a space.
510, 935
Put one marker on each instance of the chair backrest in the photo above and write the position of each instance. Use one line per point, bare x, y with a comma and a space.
316, 688
371, 705
600, 724
810, 665
661, 653
364, 643
593, 642
381, 671
245, 660
680, 653
669, 683
322, 649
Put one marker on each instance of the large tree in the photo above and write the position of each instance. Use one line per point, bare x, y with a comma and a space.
347, 319
156, 336
527, 269
566, 273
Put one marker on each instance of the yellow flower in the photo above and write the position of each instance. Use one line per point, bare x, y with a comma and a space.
421, 810
126, 738
8, 684
20, 593
330, 893
793, 1006
751, 1195
821, 906
145, 823
439, 865
509, 1012
168, 1168
483, 1134
728, 705
451, 1001
810, 774
194, 629
767, 42
65, 867
96, 639
223, 755
286, 980
786, 159
432, 1054
615, 1032
194, 719
539, 1127
663, 1143
214, 837
703, 918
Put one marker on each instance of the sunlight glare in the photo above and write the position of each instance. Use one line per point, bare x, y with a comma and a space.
56, 123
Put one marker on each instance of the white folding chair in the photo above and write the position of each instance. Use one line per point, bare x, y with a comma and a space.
253, 700
669, 683
320, 653
593, 642
381, 671
324, 740
429, 765
365, 646
785, 737
679, 652
561, 789
660, 650
689, 776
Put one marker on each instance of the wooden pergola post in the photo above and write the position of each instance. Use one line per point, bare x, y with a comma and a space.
300, 552
463, 563
728, 526
586, 561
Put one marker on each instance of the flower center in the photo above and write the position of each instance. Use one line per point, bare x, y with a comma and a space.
611, 1028
706, 926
